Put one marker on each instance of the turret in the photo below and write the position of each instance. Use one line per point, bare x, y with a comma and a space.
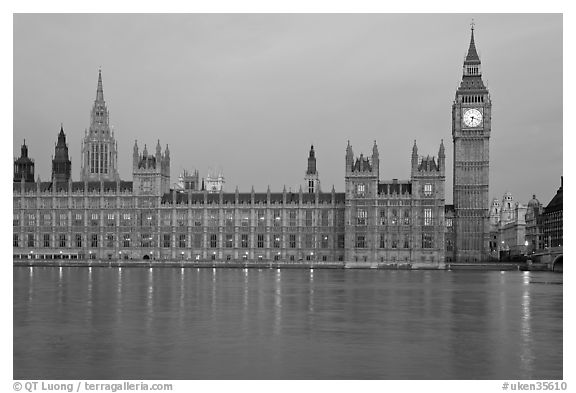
349, 157
375, 159
135, 156
414, 157
158, 152
311, 162
441, 157
24, 166
311, 178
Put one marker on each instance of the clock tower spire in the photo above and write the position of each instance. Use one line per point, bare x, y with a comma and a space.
471, 127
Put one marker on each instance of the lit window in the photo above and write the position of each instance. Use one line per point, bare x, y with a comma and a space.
427, 216
361, 217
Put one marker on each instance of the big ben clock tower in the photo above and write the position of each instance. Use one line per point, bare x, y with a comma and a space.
471, 124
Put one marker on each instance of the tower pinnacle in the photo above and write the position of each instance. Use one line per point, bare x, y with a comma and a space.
99, 90
472, 56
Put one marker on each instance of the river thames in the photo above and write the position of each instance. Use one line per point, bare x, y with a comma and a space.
172, 323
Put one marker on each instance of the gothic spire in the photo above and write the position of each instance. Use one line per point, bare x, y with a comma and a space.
61, 136
472, 56
99, 90
471, 70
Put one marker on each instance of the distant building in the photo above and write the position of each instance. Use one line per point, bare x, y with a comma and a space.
188, 181
494, 231
508, 227
214, 183
24, 166
534, 225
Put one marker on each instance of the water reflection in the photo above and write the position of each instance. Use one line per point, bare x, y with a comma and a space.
30, 284
213, 308
277, 302
89, 300
311, 292
285, 324
526, 355
119, 302
149, 300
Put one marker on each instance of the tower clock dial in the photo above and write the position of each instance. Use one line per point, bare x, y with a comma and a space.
472, 118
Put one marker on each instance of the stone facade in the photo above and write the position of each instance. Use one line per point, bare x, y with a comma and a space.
395, 221
107, 220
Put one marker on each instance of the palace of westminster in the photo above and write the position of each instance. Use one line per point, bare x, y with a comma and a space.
372, 222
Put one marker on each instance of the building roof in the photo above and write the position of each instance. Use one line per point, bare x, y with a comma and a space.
77, 186
182, 197
534, 202
556, 202
472, 56
362, 164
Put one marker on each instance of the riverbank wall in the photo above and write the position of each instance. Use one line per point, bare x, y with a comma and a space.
275, 265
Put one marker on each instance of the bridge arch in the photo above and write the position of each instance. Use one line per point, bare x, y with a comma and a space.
557, 264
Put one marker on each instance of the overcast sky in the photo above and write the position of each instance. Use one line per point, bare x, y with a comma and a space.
249, 93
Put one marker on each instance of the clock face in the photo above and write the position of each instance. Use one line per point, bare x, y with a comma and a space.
472, 117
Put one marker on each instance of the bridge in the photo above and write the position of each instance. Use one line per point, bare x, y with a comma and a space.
551, 256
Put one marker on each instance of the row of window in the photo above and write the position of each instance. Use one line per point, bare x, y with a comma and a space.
361, 189
147, 240
395, 242
394, 218
79, 203
150, 218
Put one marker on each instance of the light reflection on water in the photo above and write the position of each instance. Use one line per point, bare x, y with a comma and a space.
162, 323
